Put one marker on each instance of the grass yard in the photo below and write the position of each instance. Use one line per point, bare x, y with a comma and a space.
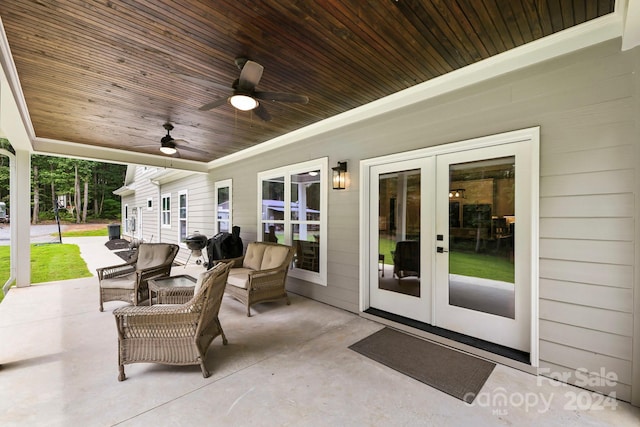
481, 265
49, 263
465, 263
83, 233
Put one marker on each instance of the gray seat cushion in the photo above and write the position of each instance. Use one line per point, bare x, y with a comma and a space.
122, 282
239, 277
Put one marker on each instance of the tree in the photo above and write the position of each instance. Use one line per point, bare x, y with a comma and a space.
86, 187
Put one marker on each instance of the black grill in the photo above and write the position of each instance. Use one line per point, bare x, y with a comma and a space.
196, 242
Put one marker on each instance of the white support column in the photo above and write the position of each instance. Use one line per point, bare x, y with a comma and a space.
21, 217
16, 128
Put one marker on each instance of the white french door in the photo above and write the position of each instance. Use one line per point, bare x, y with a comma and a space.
400, 216
483, 274
441, 244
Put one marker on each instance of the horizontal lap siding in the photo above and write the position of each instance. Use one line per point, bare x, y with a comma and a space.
143, 192
199, 210
587, 256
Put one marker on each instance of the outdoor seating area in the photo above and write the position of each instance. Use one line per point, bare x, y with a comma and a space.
128, 281
170, 333
260, 274
59, 365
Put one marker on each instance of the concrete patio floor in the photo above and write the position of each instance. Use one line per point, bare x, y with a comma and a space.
286, 365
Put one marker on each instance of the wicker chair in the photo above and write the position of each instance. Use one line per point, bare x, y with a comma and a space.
260, 274
173, 334
128, 282
406, 259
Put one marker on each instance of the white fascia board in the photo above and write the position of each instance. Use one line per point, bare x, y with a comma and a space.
125, 190
572, 39
165, 176
130, 174
89, 152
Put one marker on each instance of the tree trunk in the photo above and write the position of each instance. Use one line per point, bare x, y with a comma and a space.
36, 196
77, 196
86, 201
96, 210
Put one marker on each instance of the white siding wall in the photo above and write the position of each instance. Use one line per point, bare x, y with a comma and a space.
200, 190
586, 105
144, 191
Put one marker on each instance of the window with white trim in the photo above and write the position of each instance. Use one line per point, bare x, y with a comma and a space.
222, 206
165, 214
292, 209
182, 216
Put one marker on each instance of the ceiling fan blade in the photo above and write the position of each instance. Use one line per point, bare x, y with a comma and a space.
201, 81
181, 145
213, 104
281, 97
262, 113
250, 75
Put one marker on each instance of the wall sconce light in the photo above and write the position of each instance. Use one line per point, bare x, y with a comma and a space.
340, 176
456, 194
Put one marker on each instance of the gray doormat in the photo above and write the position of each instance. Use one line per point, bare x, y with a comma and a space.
115, 244
450, 371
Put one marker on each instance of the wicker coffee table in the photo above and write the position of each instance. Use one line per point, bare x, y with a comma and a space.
172, 290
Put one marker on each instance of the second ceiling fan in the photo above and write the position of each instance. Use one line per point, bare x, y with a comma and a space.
244, 95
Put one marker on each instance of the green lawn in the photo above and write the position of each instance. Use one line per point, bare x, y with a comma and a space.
98, 232
467, 264
481, 265
49, 262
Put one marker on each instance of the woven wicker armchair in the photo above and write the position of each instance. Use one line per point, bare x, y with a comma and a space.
260, 274
173, 334
128, 282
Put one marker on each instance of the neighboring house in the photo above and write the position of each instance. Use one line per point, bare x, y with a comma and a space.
576, 251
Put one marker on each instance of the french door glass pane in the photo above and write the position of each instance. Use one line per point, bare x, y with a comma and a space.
481, 236
399, 232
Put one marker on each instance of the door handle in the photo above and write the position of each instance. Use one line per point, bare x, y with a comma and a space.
440, 249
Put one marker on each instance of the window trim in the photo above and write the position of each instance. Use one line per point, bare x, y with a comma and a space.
218, 185
321, 164
163, 197
186, 216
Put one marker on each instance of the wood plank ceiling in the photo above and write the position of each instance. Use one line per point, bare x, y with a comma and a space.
109, 73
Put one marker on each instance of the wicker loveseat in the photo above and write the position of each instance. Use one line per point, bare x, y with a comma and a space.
173, 334
260, 274
128, 282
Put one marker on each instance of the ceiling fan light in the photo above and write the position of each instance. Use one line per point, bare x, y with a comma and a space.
167, 145
168, 150
243, 102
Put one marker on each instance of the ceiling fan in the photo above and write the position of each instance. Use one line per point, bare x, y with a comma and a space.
244, 95
170, 146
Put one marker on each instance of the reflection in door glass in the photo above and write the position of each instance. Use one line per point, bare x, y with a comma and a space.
481, 236
399, 232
